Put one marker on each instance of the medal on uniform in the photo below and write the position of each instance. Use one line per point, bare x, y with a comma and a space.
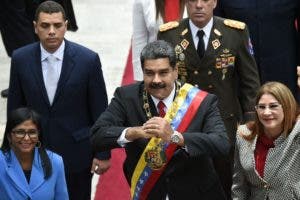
215, 43
181, 57
178, 49
184, 43
218, 63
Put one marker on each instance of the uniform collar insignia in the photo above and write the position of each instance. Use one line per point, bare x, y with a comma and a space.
217, 32
184, 32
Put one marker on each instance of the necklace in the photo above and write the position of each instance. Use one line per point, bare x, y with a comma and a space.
146, 105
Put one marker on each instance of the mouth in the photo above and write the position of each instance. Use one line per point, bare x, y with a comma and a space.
269, 119
199, 14
26, 145
51, 39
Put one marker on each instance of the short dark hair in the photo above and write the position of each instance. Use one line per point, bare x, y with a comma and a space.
49, 7
18, 116
158, 49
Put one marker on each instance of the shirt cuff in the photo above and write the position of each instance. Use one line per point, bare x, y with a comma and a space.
122, 141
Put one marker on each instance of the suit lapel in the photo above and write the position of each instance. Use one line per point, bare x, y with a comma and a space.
16, 174
37, 176
215, 41
275, 158
191, 49
67, 67
38, 73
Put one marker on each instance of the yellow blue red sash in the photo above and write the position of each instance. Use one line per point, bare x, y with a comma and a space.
157, 153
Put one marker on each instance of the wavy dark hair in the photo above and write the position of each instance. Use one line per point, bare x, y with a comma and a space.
17, 117
158, 49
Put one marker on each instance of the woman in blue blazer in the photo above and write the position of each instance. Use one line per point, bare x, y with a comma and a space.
27, 170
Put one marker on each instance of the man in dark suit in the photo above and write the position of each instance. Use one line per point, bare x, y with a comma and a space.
220, 62
154, 117
15, 26
62, 81
275, 37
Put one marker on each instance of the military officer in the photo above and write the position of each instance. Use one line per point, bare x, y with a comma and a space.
220, 61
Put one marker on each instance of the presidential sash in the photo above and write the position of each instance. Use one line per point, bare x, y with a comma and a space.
158, 153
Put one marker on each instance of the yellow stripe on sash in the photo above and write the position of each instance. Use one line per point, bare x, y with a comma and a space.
171, 113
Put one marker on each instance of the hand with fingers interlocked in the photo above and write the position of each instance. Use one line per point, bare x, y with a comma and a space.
158, 127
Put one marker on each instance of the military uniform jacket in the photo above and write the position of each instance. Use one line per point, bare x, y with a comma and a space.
227, 69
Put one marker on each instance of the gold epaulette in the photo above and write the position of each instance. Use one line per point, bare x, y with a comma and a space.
235, 24
168, 26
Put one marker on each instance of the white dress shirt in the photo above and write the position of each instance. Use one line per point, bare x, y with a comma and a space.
58, 54
206, 29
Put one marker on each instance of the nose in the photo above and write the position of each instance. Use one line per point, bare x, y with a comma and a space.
51, 30
199, 3
267, 111
156, 78
26, 137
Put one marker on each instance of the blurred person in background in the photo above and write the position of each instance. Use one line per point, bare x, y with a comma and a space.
274, 35
148, 15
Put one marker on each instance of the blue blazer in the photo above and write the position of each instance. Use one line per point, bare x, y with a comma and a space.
80, 98
13, 183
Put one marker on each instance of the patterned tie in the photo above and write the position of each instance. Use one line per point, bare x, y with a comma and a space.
51, 78
200, 47
161, 108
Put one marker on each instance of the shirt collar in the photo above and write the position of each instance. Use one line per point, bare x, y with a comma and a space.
59, 53
206, 29
167, 101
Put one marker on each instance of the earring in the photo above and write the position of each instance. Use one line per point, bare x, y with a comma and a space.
38, 144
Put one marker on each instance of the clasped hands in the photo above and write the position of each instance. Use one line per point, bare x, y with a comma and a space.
154, 127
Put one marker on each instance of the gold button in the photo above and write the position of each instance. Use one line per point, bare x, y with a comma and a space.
210, 86
209, 72
196, 85
231, 115
195, 72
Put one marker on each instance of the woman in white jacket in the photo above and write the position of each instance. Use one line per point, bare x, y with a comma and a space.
148, 15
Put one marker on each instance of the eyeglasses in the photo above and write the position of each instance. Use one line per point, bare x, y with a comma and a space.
21, 133
272, 107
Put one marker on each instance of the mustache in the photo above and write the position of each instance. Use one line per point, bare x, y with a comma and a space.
157, 85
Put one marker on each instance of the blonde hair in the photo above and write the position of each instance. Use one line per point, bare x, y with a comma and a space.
288, 103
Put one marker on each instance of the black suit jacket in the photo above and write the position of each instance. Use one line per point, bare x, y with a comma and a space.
276, 41
15, 25
190, 174
79, 100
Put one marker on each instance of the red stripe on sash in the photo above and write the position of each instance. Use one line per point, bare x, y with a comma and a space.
185, 122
